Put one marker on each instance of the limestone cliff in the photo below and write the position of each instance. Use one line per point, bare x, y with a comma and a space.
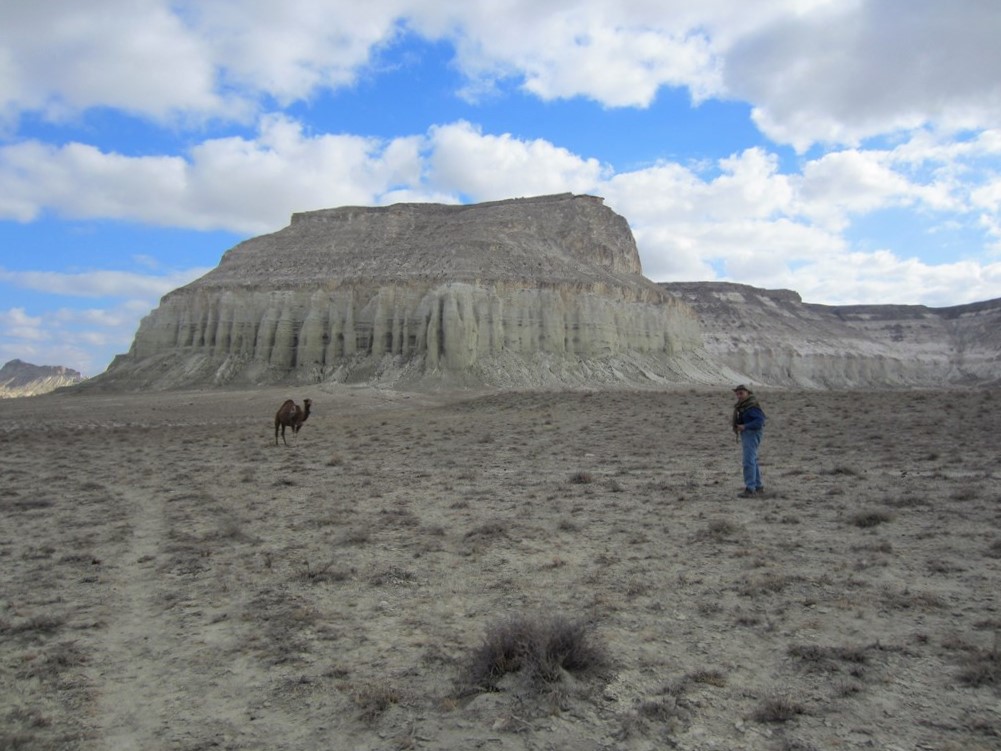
523, 292
773, 337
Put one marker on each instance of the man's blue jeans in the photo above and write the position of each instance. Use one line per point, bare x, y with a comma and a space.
749, 442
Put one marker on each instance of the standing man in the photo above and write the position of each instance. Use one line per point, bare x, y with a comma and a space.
748, 424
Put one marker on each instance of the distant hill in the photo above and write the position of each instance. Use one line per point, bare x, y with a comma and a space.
19, 378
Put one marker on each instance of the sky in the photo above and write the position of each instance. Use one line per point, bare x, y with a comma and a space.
849, 150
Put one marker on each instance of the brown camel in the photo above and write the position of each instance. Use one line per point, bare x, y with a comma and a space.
291, 415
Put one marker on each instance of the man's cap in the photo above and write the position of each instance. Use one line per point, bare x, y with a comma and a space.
742, 387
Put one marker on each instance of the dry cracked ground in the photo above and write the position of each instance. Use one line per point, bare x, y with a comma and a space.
566, 570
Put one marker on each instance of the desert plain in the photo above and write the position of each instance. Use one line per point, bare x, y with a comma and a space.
500, 570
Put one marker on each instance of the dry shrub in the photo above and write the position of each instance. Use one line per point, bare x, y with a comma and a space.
51, 664
982, 667
488, 531
581, 478
710, 677
828, 659
907, 600
777, 709
325, 573
844, 471
395, 576
718, 530
865, 519
355, 536
540, 649
769, 583
373, 701
39, 624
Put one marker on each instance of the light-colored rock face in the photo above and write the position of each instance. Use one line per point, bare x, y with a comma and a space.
468, 294
772, 337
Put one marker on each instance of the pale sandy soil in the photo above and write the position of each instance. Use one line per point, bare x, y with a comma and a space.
170, 579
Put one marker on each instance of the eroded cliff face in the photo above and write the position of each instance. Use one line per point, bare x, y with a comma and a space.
495, 294
773, 337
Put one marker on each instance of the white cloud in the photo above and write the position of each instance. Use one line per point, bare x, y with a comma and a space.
885, 277
289, 50
852, 70
16, 322
100, 283
245, 185
466, 162
619, 56
839, 185
136, 56
814, 70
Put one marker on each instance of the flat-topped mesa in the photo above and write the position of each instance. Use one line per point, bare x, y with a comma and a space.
547, 240
492, 293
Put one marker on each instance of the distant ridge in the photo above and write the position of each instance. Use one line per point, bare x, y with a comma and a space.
770, 336
19, 378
